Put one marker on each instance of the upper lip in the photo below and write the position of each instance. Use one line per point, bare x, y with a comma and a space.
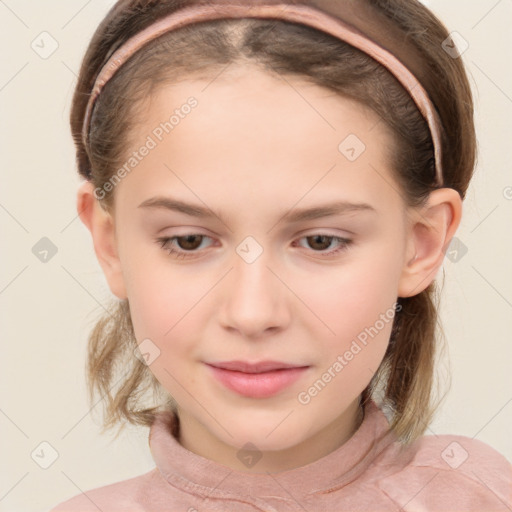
260, 367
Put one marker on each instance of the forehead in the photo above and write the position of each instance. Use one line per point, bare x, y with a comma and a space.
243, 96
261, 134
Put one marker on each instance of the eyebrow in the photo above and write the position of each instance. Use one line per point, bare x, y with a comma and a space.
295, 215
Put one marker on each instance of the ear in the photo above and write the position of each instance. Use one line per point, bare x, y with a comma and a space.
101, 225
431, 230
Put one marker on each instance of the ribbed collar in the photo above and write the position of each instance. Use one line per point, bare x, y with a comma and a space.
203, 477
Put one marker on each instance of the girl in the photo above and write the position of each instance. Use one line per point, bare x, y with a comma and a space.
317, 153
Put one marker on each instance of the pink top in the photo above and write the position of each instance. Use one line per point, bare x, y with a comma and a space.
367, 473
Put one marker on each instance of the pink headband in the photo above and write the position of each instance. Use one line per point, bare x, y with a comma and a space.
294, 13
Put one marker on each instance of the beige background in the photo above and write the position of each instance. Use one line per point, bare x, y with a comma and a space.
47, 308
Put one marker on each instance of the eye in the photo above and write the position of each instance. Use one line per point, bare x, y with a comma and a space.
188, 242
186, 246
325, 240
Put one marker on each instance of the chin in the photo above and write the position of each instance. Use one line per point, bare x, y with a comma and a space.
273, 434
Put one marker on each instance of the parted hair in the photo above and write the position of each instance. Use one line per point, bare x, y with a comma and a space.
405, 381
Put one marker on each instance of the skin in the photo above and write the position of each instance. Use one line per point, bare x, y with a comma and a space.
257, 147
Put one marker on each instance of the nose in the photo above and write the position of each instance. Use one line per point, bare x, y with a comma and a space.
255, 300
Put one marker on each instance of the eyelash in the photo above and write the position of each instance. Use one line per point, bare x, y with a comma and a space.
345, 243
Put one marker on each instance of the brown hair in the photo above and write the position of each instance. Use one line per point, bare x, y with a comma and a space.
406, 376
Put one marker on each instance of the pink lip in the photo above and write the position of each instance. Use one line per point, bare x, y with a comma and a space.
256, 380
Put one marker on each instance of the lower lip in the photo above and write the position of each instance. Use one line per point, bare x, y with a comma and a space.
258, 385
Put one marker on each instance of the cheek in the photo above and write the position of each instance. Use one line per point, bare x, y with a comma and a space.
161, 293
352, 296
351, 349
165, 308
168, 315
170, 306
353, 310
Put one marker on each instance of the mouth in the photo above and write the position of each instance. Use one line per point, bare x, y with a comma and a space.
256, 380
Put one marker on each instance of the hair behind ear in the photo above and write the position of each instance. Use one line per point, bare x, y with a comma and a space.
408, 365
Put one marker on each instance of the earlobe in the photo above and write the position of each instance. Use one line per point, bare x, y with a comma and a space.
430, 232
101, 225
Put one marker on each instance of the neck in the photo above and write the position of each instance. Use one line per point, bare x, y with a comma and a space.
196, 438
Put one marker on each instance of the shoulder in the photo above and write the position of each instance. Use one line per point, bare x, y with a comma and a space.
448, 472
116, 497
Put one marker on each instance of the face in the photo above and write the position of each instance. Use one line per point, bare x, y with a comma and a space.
253, 279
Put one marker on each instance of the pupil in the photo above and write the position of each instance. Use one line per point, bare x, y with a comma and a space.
189, 240
321, 237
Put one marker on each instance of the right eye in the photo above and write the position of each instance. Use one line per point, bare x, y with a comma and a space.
188, 241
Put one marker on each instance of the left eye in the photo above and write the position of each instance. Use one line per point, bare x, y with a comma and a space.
322, 240
189, 243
